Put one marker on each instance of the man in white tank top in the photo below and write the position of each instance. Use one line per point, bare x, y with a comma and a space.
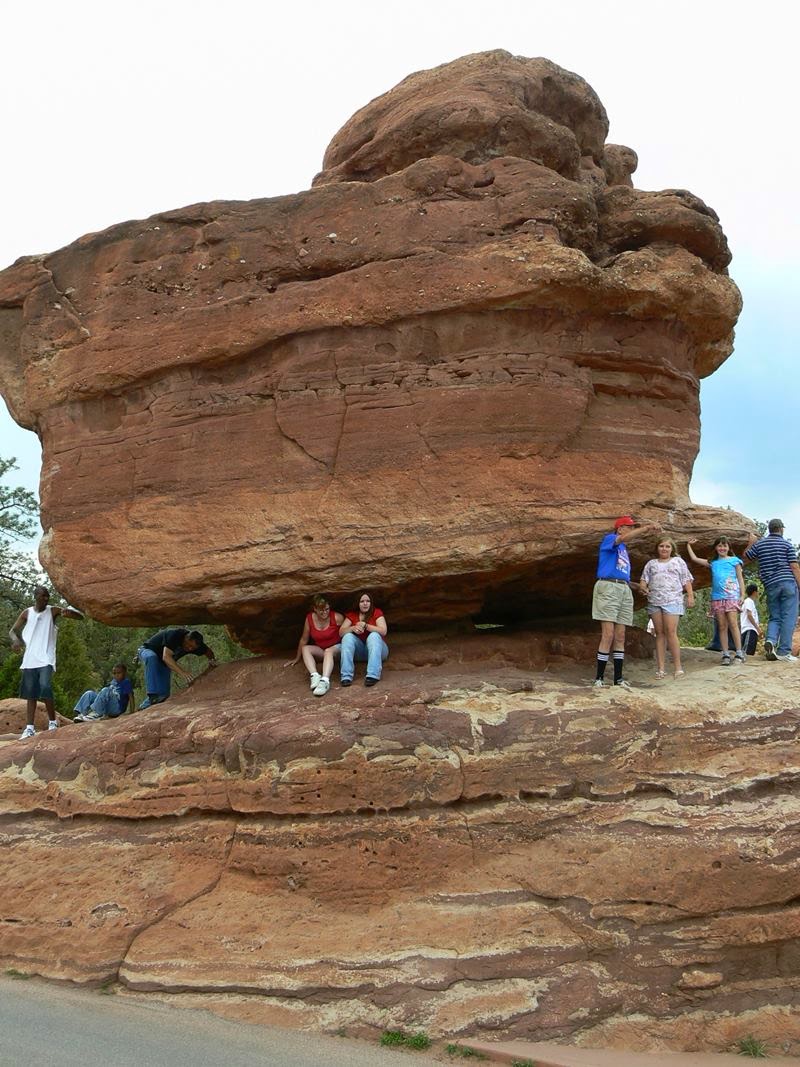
35, 630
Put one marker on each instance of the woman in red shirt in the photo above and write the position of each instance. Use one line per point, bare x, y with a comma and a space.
363, 632
319, 641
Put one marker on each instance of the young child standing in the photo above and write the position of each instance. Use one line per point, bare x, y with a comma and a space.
664, 581
748, 621
727, 594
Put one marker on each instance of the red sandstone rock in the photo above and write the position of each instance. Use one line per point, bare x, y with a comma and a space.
470, 849
439, 374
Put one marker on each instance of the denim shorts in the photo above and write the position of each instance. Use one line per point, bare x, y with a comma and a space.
37, 683
675, 608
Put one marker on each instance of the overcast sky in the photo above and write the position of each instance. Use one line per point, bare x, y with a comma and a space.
112, 112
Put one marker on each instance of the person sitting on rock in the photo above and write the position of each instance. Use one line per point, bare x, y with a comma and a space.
363, 632
111, 701
159, 656
319, 641
35, 630
612, 599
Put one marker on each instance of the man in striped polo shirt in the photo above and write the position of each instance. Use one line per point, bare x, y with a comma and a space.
780, 573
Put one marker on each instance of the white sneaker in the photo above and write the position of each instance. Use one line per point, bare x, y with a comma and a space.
622, 684
597, 683
322, 687
29, 731
52, 724
316, 678
788, 658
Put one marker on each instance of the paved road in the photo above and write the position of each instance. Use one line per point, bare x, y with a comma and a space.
43, 1025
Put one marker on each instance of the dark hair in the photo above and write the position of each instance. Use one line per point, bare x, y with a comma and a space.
319, 601
775, 525
752, 588
721, 541
40, 589
120, 667
365, 592
195, 635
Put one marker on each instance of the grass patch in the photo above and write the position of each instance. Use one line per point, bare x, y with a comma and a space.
523, 1063
400, 1039
465, 1052
751, 1046
107, 987
21, 976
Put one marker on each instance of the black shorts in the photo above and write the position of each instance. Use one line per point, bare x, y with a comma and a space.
749, 642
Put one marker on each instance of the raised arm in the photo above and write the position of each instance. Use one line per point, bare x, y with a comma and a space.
68, 612
626, 533
15, 633
692, 556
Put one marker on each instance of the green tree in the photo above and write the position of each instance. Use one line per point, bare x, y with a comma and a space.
74, 671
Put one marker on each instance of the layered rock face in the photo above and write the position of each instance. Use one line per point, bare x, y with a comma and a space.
439, 374
470, 849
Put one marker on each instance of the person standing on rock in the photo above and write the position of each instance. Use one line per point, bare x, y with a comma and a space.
159, 656
612, 599
780, 574
727, 594
35, 630
363, 632
664, 582
319, 641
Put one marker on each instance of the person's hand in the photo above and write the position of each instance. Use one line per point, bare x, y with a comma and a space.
360, 627
17, 646
689, 601
692, 541
291, 662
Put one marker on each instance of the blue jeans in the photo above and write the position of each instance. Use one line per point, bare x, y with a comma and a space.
103, 704
782, 606
374, 651
157, 677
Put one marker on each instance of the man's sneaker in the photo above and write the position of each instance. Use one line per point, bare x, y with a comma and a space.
788, 658
726, 659
769, 650
316, 678
29, 731
52, 725
623, 684
597, 683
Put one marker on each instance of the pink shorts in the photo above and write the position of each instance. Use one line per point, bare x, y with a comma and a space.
720, 607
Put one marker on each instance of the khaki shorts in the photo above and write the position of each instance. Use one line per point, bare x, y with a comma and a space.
612, 602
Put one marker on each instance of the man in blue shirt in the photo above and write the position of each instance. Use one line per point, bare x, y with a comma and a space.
780, 572
612, 600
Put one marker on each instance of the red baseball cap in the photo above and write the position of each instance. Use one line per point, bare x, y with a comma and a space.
624, 520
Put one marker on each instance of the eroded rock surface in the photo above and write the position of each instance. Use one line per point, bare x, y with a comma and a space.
473, 847
439, 373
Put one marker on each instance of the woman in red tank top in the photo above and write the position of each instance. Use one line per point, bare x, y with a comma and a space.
319, 641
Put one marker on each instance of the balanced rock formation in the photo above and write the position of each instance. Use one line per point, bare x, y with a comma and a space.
439, 373
470, 849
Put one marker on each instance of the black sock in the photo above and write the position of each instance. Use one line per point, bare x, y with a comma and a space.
619, 659
602, 660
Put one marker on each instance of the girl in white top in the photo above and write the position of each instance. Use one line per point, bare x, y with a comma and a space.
664, 581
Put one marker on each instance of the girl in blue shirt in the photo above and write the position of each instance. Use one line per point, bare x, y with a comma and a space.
727, 594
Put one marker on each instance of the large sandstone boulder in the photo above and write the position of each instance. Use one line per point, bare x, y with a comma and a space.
439, 373
469, 849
